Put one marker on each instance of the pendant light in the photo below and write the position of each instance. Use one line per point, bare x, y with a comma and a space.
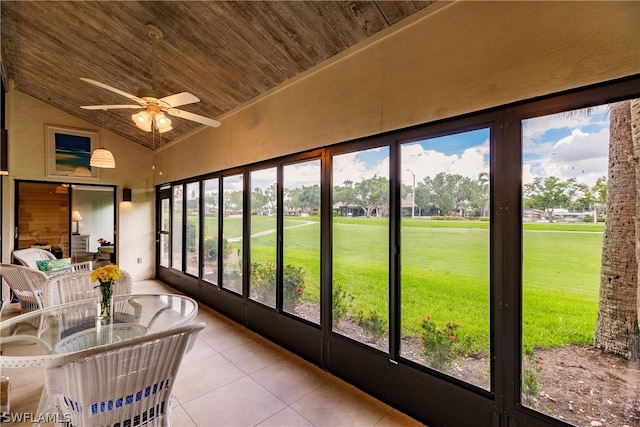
101, 157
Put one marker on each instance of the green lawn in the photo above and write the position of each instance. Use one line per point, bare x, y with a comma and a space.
445, 273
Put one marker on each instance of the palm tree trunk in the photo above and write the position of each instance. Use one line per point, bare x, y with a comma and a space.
617, 324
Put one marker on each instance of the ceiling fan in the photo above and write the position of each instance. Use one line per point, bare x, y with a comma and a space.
154, 102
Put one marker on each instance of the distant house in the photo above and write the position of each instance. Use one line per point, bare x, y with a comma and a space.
348, 210
406, 206
533, 214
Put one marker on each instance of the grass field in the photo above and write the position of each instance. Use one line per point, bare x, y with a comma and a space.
445, 273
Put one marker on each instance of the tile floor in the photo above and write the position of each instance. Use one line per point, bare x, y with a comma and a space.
234, 377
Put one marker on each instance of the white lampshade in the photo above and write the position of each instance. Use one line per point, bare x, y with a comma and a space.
102, 158
163, 123
75, 216
143, 120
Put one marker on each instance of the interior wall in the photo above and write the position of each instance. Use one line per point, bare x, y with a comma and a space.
449, 59
26, 119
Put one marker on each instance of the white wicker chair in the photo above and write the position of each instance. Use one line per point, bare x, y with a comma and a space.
69, 287
126, 383
30, 256
26, 284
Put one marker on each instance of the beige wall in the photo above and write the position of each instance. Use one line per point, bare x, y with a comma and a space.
449, 59
26, 119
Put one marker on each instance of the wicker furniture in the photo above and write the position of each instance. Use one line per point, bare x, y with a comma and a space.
26, 284
64, 288
30, 256
125, 383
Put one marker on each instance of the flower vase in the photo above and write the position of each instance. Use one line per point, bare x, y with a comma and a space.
105, 300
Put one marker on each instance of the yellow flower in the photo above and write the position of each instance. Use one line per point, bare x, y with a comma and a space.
106, 274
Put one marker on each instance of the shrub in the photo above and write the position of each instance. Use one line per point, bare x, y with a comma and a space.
293, 286
441, 346
373, 324
211, 248
263, 280
530, 386
341, 302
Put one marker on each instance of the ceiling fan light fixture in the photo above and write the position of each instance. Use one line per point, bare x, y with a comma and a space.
102, 158
142, 120
162, 122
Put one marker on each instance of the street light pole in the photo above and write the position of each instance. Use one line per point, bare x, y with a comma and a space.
413, 197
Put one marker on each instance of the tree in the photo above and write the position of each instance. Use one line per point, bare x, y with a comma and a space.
373, 193
617, 324
345, 193
600, 196
452, 193
305, 198
211, 200
549, 193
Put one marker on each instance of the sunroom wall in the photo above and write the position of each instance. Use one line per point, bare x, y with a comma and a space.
450, 59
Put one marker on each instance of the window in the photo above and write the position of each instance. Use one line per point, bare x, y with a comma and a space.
301, 237
360, 242
193, 228
211, 206
176, 228
565, 184
445, 254
232, 233
165, 221
264, 220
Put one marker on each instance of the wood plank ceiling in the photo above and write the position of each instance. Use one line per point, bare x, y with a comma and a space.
224, 52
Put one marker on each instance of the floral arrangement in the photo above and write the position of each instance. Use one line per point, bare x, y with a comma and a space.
106, 276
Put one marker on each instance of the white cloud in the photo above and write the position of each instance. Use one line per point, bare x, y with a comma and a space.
428, 163
299, 174
352, 167
580, 155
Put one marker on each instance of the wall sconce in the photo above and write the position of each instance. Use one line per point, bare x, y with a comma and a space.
76, 218
126, 194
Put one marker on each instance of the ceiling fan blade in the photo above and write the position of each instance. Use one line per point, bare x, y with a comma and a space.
113, 89
109, 107
179, 99
193, 117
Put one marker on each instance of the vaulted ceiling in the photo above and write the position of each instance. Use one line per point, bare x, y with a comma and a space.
223, 52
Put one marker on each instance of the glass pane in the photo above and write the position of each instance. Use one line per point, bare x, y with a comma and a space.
301, 275
176, 229
210, 255
360, 200
165, 218
445, 255
43, 218
579, 278
264, 211
193, 228
232, 233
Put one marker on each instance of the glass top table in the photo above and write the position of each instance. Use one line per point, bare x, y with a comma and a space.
32, 338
